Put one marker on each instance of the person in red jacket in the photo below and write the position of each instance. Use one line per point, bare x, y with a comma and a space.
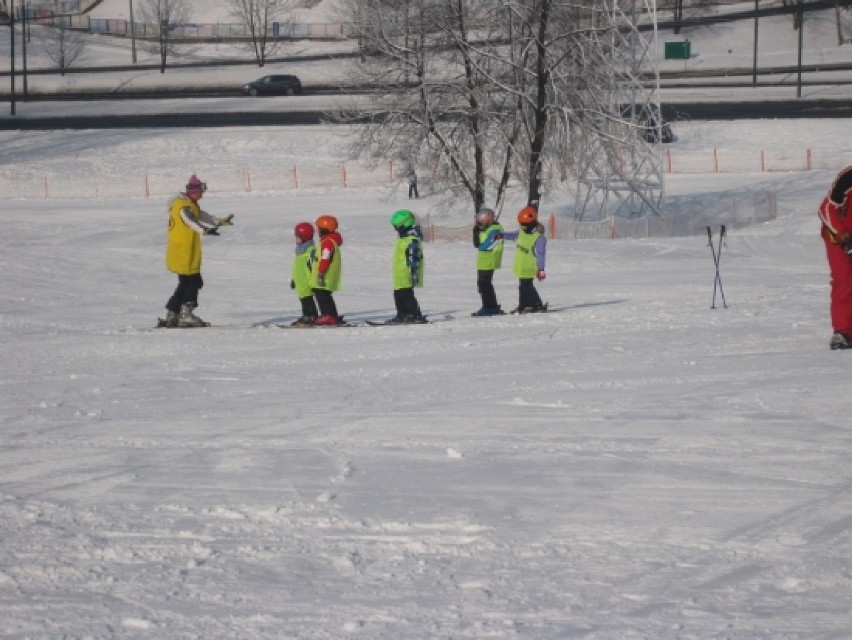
326, 276
835, 213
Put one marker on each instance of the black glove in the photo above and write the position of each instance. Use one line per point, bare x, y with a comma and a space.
212, 231
848, 248
476, 236
292, 284
321, 279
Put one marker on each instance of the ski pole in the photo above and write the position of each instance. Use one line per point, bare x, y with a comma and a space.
723, 234
713, 252
717, 256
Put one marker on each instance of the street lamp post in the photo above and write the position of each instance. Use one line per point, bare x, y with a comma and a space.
800, 9
12, 58
754, 63
132, 35
24, 45
164, 23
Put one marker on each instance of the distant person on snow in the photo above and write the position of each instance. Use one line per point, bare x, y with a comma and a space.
300, 275
326, 275
530, 255
407, 267
488, 242
835, 212
187, 223
412, 185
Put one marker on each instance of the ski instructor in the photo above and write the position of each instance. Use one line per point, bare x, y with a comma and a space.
835, 212
187, 223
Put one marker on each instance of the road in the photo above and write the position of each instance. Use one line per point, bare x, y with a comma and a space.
228, 112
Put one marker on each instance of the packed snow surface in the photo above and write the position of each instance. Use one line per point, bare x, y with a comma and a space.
633, 465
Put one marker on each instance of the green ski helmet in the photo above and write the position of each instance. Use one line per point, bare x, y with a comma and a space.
403, 218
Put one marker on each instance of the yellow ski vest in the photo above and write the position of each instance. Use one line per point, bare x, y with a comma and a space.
183, 244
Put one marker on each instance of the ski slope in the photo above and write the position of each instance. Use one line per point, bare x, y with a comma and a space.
634, 465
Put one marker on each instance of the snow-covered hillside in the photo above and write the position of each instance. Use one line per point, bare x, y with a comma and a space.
634, 465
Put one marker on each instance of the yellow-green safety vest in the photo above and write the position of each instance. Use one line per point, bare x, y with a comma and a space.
400, 270
491, 259
526, 264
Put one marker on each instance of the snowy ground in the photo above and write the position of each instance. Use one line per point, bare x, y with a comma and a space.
635, 465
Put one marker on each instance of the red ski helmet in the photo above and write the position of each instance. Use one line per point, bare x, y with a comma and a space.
303, 231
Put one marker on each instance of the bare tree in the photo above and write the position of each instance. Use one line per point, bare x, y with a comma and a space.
491, 93
841, 20
258, 17
165, 15
430, 80
63, 46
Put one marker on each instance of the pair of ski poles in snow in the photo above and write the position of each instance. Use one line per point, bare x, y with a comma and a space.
717, 256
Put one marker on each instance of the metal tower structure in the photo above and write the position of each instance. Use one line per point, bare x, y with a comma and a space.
618, 155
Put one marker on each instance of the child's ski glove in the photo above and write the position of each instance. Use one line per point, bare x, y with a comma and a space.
226, 221
540, 275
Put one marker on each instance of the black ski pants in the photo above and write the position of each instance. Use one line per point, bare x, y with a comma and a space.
186, 292
485, 286
527, 294
309, 307
325, 302
406, 303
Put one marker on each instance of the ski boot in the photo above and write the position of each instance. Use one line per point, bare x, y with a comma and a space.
535, 309
304, 321
329, 321
188, 319
489, 311
840, 341
171, 319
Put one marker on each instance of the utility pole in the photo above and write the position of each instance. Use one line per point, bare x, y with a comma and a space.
800, 9
678, 15
754, 63
24, 45
12, 60
132, 35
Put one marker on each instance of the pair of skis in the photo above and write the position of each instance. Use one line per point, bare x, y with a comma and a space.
717, 257
161, 324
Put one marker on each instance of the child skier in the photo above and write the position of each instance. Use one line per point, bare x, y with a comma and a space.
326, 275
300, 276
407, 267
530, 256
488, 241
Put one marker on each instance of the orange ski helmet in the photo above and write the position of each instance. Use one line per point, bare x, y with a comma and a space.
327, 223
527, 215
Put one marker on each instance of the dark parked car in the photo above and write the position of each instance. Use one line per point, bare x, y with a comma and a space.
282, 85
